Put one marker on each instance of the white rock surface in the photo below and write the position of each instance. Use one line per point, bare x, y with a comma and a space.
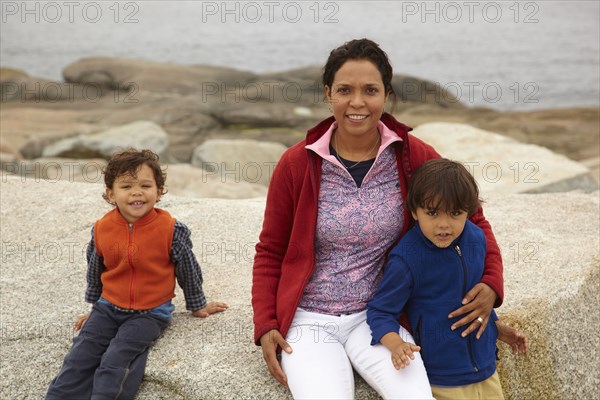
550, 244
238, 160
503, 165
189, 181
139, 134
52, 169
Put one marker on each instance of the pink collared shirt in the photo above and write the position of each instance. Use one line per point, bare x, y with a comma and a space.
355, 228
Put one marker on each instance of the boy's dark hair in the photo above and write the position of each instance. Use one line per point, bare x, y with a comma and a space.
443, 184
128, 162
360, 49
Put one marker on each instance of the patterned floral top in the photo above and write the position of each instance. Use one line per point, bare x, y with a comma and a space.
355, 228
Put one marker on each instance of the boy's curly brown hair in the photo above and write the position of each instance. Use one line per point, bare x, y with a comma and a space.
128, 162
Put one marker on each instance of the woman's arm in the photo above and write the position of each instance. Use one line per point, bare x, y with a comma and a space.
270, 252
271, 249
493, 273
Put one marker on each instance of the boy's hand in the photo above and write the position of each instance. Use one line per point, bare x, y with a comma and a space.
517, 340
211, 308
403, 353
80, 321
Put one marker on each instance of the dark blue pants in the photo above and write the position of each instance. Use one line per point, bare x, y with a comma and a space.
108, 357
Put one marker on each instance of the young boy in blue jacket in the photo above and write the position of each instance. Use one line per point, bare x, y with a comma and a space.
428, 274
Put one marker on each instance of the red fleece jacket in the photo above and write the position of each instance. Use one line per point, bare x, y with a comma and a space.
285, 257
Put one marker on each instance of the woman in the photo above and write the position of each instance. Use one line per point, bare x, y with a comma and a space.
335, 207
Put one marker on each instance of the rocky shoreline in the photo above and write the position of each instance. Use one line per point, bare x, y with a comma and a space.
190, 105
220, 139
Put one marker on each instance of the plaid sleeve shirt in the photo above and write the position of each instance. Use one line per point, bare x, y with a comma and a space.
95, 269
187, 270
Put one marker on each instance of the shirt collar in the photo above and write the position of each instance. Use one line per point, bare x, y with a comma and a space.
321, 146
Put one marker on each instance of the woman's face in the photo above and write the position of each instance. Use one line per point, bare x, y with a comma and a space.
357, 96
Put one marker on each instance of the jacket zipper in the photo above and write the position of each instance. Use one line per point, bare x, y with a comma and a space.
464, 267
419, 329
130, 250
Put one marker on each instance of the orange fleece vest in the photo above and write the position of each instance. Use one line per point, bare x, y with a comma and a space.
138, 272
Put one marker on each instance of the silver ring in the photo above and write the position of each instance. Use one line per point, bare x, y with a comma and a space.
480, 320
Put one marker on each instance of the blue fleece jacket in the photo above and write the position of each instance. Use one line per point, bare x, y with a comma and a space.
431, 282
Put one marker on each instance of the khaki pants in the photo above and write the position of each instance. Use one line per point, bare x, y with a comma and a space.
484, 390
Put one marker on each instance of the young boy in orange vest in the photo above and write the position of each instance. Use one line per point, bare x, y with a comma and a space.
136, 253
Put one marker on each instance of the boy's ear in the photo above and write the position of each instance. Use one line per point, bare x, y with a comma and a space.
109, 194
414, 215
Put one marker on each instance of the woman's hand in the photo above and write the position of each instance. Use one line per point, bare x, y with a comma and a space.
269, 342
80, 321
478, 303
211, 308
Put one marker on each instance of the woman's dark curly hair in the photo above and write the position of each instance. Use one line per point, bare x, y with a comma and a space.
129, 162
360, 49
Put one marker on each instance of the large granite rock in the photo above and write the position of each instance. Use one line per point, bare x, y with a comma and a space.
238, 160
9, 151
572, 132
286, 136
189, 181
30, 130
503, 165
18, 87
152, 77
267, 114
550, 244
139, 134
411, 91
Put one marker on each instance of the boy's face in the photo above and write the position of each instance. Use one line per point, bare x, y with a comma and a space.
441, 227
135, 196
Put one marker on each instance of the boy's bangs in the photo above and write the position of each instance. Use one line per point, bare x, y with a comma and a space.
447, 199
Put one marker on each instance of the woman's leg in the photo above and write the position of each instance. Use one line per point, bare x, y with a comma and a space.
318, 367
374, 364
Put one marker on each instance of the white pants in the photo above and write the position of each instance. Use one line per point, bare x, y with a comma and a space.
326, 347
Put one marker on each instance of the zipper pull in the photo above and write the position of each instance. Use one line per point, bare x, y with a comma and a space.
458, 250
131, 228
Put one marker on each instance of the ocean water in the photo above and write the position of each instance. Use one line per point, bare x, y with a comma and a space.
506, 55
